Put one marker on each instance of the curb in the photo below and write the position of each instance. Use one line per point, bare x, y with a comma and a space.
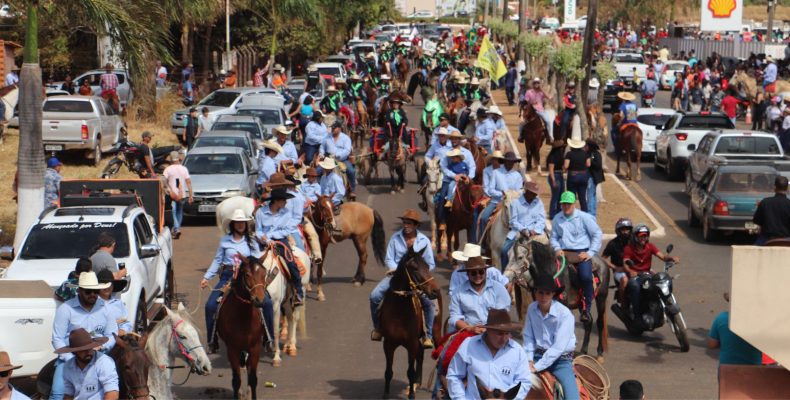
660, 231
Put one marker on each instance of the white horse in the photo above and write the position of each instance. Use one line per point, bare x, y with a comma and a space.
10, 101
433, 184
500, 226
173, 337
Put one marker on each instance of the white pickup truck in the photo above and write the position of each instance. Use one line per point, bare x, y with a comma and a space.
625, 62
53, 244
84, 123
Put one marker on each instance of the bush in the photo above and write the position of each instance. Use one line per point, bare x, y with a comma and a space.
536, 46
606, 71
567, 61
506, 29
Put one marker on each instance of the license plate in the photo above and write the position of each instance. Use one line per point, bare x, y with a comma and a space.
206, 208
53, 147
750, 226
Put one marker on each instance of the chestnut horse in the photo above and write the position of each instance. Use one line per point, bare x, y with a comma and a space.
531, 133
629, 140
402, 65
132, 363
459, 217
480, 160
240, 321
402, 322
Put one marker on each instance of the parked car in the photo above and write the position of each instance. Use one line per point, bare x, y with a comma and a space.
269, 116
240, 139
732, 145
219, 102
680, 137
610, 91
671, 67
332, 69
296, 87
83, 123
581, 23
218, 173
625, 62
651, 121
246, 123
726, 198
124, 89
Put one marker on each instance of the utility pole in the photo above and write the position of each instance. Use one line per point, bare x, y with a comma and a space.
485, 11
587, 57
522, 25
227, 33
771, 8
504, 10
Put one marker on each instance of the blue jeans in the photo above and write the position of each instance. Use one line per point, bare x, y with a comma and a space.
567, 118
633, 289
351, 173
562, 369
297, 237
481, 220
377, 296
309, 150
178, 214
504, 254
57, 391
296, 277
577, 183
586, 279
441, 211
592, 202
212, 305
554, 204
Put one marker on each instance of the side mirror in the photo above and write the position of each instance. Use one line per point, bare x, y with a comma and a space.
692, 147
670, 247
7, 253
149, 250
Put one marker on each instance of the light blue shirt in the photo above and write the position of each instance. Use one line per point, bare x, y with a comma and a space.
530, 216
553, 332
71, 315
469, 159
577, 232
489, 183
315, 133
769, 76
499, 124
397, 248
508, 180
457, 278
16, 394
119, 312
438, 150
332, 185
289, 152
340, 147
98, 377
435, 134
472, 307
229, 251
296, 207
473, 361
275, 226
310, 190
266, 168
485, 132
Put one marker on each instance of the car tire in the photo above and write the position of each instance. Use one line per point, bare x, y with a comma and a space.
708, 233
141, 317
688, 182
656, 167
692, 219
169, 291
674, 172
96, 154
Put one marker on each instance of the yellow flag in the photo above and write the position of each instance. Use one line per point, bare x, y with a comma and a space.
489, 60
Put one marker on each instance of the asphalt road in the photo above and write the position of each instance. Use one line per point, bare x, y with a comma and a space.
338, 360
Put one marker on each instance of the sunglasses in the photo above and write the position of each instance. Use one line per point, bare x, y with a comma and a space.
5, 374
90, 291
476, 272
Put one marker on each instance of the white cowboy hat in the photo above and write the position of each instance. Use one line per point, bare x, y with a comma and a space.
494, 110
354, 76
332, 88
281, 129
443, 131
470, 250
273, 145
385, 77
454, 153
328, 163
88, 280
312, 68
278, 67
461, 80
475, 81
575, 143
626, 96
239, 216
536, 79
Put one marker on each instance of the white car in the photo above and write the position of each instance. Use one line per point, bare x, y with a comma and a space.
671, 67
681, 135
219, 102
581, 23
651, 121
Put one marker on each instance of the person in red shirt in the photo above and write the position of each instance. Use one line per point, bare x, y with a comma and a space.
729, 105
637, 259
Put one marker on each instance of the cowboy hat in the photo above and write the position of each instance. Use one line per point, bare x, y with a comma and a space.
240, 216
278, 179
332, 89
461, 80
88, 280
455, 153
278, 67
328, 163
281, 129
106, 276
311, 172
354, 77
5, 363
370, 55
475, 81
340, 80
442, 131
470, 250
279, 194
536, 79
272, 145
532, 187
395, 99
384, 77
576, 143
456, 134
499, 320
492, 109
79, 340
312, 68
496, 154
411, 215
474, 264
626, 96
511, 156
546, 283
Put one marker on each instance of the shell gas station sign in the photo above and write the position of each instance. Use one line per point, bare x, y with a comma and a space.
721, 15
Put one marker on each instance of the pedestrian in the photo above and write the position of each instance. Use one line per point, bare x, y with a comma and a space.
108, 82
52, 179
576, 166
88, 374
191, 128
677, 92
773, 214
68, 289
102, 255
230, 80
632, 390
117, 308
147, 157
161, 74
569, 109
68, 85
729, 105
733, 350
774, 115
510, 83
257, 77
554, 164
716, 96
12, 77
188, 91
179, 185
7, 391
696, 96
759, 109
85, 88
204, 122
596, 175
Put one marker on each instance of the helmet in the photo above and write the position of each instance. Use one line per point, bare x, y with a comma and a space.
623, 223
641, 229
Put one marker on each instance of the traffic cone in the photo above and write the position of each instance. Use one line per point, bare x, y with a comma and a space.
748, 115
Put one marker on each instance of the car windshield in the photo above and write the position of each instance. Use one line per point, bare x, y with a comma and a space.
68, 106
706, 122
222, 141
72, 240
654, 119
214, 164
747, 145
267, 117
219, 98
329, 71
629, 58
250, 127
676, 67
389, 28
761, 182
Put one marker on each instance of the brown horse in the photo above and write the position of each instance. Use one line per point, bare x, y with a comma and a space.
240, 321
363, 125
402, 321
480, 160
396, 161
372, 94
355, 221
403, 68
531, 133
132, 364
459, 217
629, 141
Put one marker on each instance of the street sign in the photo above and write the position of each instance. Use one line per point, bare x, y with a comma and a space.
721, 15
570, 11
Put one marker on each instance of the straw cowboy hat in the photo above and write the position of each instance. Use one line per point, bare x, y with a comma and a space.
278, 67
411, 215
5, 363
340, 80
532, 187
370, 56
328, 163
443, 131
88, 280
311, 172
474, 264
496, 154
454, 153
80, 339
470, 250
282, 129
332, 89
461, 80
106, 276
385, 77
626, 96
354, 77
456, 134
575, 143
475, 81
272, 145
499, 320
547, 283
493, 109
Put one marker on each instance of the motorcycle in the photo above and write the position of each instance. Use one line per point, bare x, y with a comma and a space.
130, 154
658, 306
648, 101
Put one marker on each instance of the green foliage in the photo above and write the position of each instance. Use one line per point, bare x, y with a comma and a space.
536, 46
56, 55
506, 29
605, 70
567, 60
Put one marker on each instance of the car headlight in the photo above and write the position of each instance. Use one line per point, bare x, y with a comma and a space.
233, 193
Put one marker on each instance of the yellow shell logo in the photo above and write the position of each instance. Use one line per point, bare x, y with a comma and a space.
721, 8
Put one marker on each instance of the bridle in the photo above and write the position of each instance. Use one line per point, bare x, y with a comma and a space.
138, 391
185, 351
245, 284
327, 217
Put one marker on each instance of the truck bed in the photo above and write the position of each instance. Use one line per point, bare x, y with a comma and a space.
27, 310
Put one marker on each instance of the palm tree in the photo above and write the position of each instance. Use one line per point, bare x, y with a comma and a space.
282, 11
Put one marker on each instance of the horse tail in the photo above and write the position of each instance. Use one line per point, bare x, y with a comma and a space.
379, 247
440, 332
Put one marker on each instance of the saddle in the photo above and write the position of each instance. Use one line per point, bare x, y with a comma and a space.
627, 125
573, 259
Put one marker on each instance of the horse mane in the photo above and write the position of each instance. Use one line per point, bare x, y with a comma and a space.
511, 195
542, 257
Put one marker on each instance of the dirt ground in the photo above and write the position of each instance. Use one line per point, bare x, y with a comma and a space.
617, 203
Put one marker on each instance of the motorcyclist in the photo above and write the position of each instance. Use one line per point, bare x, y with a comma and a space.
648, 89
637, 259
613, 255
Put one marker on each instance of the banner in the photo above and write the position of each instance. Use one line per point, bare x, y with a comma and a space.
489, 60
721, 15
570, 12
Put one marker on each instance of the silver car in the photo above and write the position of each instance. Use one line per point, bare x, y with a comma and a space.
219, 102
218, 173
241, 139
247, 123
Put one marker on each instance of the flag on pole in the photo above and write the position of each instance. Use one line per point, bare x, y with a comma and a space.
489, 60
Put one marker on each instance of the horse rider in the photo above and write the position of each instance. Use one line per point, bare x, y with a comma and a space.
569, 108
342, 87
315, 134
289, 155
400, 242
272, 228
86, 311
527, 218
384, 85
443, 65
484, 131
311, 189
496, 116
343, 152
444, 122
493, 196
493, 360
638, 259
331, 183
108, 82
7, 391
331, 103
294, 205
548, 336
267, 165
476, 93
117, 309
627, 111
425, 63
356, 90
576, 231
238, 243
613, 256
458, 277
370, 70
396, 123
450, 176
535, 98
504, 179
88, 374
470, 302
441, 146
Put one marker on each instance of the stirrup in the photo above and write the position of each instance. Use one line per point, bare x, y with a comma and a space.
375, 335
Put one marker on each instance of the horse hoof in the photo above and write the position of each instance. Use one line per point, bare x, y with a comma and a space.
392, 191
599, 359
357, 283
321, 296
291, 351
309, 287
277, 363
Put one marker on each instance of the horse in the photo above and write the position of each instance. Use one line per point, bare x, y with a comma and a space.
372, 94
10, 97
240, 321
532, 133
355, 221
396, 161
629, 140
363, 125
402, 67
402, 321
433, 184
459, 217
538, 258
480, 160
132, 364
172, 338
598, 126
499, 227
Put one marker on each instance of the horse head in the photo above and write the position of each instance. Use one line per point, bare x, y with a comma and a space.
486, 393
185, 342
521, 267
325, 215
251, 280
413, 274
433, 173
132, 364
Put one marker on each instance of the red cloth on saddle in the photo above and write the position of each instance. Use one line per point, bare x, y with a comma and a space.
627, 124
455, 341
